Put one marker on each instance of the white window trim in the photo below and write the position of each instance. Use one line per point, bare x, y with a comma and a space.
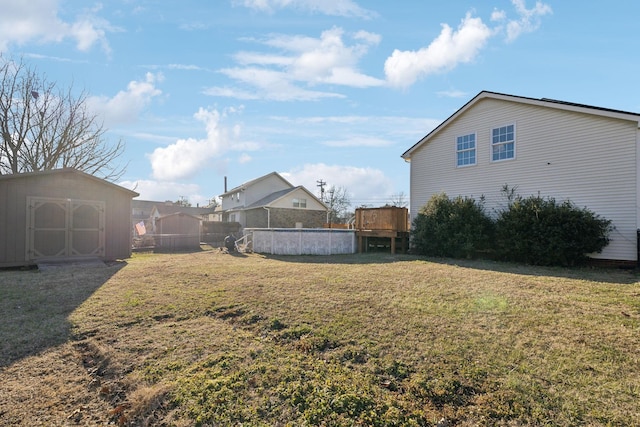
515, 152
297, 201
475, 134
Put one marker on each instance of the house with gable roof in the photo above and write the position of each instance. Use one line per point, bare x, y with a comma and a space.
271, 201
588, 155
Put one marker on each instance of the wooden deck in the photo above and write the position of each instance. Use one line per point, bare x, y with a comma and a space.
382, 227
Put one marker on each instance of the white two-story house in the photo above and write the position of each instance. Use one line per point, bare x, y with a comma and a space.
545, 147
271, 201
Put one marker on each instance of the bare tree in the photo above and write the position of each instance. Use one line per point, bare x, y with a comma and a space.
339, 202
183, 201
399, 200
43, 127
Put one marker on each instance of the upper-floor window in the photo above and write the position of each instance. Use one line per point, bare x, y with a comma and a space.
299, 203
503, 143
466, 150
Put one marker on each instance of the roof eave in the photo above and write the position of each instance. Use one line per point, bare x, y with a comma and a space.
544, 102
132, 193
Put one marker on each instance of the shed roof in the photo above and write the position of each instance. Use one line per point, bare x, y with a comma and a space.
542, 102
70, 171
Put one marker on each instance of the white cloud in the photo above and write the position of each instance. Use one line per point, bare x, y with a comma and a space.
38, 21
498, 15
188, 67
365, 128
244, 158
161, 191
362, 184
301, 61
369, 38
451, 48
231, 92
187, 156
529, 20
254, 58
126, 105
165, 190
346, 8
329, 60
359, 141
448, 50
452, 94
267, 84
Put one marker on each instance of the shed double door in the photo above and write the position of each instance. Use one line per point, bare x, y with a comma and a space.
64, 228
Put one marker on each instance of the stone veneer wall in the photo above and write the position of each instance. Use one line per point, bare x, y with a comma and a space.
285, 218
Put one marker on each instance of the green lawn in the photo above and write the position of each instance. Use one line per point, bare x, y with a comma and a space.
372, 340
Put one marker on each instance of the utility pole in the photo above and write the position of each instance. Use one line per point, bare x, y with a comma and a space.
321, 184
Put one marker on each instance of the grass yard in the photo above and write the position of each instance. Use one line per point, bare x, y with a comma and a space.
213, 339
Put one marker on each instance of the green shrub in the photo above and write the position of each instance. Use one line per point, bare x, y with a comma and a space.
533, 230
541, 231
457, 228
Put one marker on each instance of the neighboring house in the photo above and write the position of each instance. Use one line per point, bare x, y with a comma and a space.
61, 215
545, 147
273, 202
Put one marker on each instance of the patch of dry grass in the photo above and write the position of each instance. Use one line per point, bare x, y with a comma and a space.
374, 339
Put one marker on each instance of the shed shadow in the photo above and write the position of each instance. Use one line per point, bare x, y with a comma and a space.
35, 305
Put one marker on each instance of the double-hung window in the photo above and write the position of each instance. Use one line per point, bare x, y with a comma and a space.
503, 143
466, 150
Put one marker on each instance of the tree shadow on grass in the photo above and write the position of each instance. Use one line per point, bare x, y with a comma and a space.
358, 258
595, 274
588, 273
35, 306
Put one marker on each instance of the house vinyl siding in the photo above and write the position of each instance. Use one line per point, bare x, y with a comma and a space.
287, 202
253, 191
590, 159
265, 186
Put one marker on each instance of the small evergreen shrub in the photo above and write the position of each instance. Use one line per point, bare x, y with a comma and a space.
542, 231
457, 228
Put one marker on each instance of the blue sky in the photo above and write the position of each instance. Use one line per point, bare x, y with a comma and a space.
332, 90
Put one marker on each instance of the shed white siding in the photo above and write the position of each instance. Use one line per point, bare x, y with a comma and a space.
590, 159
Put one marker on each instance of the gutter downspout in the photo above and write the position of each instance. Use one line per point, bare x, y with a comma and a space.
268, 216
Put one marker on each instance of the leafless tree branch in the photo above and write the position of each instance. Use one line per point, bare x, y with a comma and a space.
44, 127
